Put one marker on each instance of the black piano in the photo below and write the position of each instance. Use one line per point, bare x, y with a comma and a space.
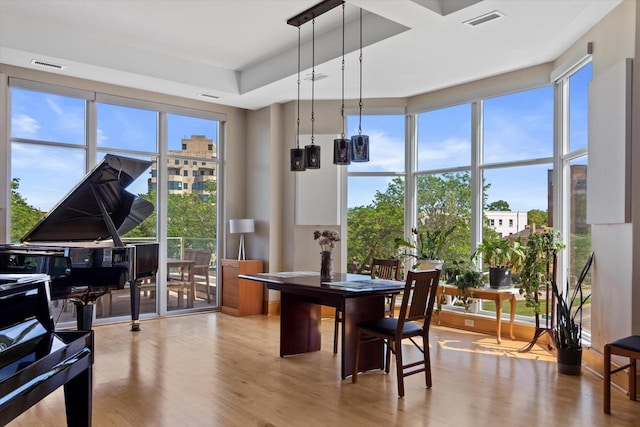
78, 243
34, 359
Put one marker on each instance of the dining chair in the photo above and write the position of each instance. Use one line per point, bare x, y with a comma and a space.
380, 269
624, 347
417, 306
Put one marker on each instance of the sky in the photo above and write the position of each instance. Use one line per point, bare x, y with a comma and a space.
516, 127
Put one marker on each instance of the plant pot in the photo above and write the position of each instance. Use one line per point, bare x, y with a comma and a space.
569, 361
499, 277
430, 264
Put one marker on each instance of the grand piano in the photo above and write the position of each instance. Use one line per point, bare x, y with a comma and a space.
78, 243
34, 359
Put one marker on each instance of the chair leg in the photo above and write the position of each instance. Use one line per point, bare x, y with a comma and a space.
208, 291
387, 362
427, 361
399, 368
632, 379
607, 379
337, 320
354, 376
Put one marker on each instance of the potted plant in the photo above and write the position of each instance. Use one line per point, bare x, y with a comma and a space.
468, 278
426, 247
503, 257
541, 250
567, 331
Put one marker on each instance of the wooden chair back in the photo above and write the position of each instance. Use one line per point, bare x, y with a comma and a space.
385, 269
419, 298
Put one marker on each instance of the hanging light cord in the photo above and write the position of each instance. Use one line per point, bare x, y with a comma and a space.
298, 120
342, 111
313, 72
360, 104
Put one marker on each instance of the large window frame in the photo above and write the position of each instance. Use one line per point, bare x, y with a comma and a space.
92, 150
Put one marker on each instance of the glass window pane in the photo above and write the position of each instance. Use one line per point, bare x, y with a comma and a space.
580, 232
386, 142
192, 205
46, 174
47, 117
578, 107
375, 218
519, 126
127, 128
192, 136
525, 189
444, 208
444, 138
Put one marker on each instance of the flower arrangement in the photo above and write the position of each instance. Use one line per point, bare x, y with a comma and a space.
327, 239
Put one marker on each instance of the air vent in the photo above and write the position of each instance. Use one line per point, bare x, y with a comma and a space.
482, 19
47, 64
208, 95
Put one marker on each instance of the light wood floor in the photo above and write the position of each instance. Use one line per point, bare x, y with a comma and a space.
217, 370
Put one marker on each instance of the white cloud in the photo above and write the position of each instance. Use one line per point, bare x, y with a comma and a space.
24, 125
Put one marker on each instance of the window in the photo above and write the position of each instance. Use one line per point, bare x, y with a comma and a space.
510, 223
54, 128
578, 236
500, 222
375, 192
444, 138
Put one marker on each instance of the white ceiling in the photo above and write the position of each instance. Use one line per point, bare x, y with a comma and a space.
243, 51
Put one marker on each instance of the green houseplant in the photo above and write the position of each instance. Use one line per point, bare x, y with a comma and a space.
541, 250
503, 257
469, 277
425, 246
567, 331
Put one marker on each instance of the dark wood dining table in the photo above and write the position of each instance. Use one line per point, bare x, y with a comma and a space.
303, 293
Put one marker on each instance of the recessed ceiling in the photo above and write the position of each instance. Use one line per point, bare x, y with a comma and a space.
242, 52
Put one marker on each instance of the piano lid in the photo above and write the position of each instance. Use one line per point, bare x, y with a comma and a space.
98, 207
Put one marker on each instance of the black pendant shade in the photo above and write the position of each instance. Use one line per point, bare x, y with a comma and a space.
360, 147
312, 156
298, 160
341, 151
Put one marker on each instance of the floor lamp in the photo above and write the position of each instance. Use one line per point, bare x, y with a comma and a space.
241, 226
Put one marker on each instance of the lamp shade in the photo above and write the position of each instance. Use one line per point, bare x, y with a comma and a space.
238, 226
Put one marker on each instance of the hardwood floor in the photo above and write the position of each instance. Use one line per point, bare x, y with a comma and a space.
218, 370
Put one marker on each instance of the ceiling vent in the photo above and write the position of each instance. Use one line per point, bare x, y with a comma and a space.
208, 95
482, 19
47, 64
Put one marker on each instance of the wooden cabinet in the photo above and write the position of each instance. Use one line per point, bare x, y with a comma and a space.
241, 297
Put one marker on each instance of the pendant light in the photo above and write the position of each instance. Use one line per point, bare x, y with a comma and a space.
359, 142
312, 152
342, 145
297, 154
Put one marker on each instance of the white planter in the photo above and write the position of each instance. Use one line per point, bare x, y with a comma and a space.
431, 264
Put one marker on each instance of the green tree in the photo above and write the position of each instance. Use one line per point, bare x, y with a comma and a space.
538, 217
499, 205
372, 228
188, 216
23, 215
444, 201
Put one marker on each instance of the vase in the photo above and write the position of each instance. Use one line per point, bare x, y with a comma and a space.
326, 265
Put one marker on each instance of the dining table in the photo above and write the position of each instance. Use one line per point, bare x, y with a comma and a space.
302, 293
